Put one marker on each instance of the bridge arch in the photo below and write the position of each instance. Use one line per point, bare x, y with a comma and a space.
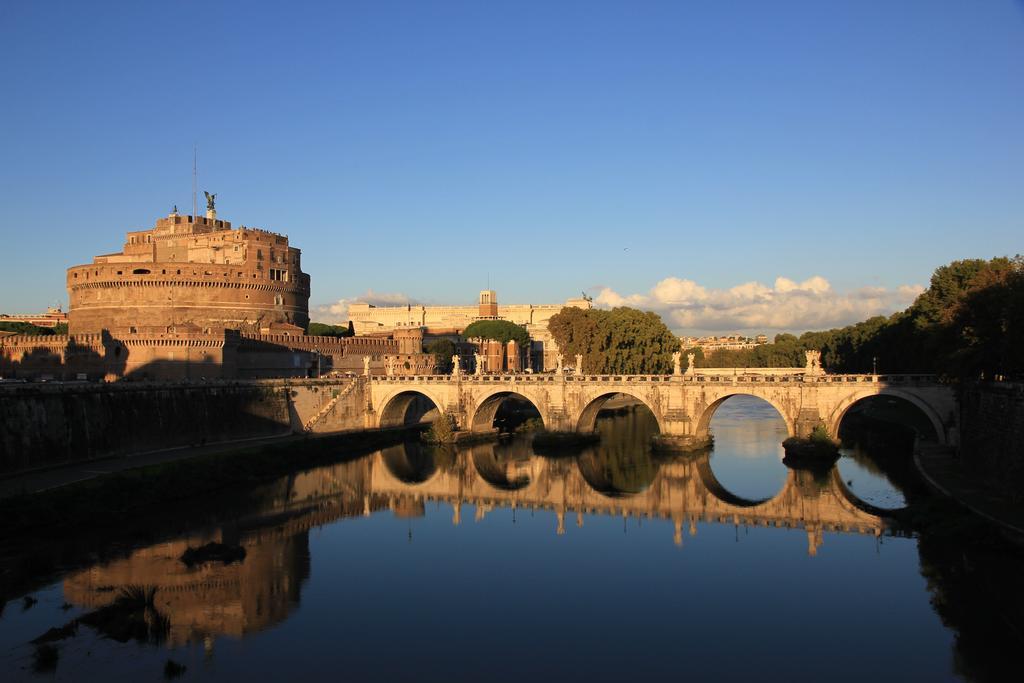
704, 421
482, 417
586, 422
395, 408
836, 418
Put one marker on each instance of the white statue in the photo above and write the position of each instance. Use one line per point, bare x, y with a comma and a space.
691, 365
676, 367
366, 365
478, 359
558, 368
579, 363
389, 366
455, 365
813, 364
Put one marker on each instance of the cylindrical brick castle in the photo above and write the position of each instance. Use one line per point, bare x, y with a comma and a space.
190, 274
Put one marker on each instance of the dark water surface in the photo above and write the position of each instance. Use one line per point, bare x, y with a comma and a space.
493, 563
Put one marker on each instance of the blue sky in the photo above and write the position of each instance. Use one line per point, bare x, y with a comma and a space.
419, 148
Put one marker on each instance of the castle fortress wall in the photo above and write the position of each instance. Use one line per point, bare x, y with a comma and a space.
189, 272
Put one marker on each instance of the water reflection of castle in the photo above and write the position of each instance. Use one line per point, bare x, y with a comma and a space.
244, 597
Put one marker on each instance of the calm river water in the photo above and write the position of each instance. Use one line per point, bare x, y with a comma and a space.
496, 563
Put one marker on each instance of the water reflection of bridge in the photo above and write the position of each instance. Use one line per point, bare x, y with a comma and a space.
234, 599
683, 490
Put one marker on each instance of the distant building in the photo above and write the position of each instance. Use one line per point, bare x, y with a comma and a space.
54, 316
449, 321
370, 319
729, 342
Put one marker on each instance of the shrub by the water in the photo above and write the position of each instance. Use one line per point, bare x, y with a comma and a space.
441, 431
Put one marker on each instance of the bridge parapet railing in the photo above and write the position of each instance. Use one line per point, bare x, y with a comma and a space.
738, 378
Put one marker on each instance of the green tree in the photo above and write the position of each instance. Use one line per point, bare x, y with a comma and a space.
443, 350
499, 330
620, 341
27, 328
325, 330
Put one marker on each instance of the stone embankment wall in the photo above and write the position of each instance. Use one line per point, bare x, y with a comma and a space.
992, 432
45, 425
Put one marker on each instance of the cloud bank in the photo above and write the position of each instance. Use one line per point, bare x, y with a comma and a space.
786, 306
337, 312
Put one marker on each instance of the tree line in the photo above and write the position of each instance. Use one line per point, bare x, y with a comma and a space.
969, 323
33, 330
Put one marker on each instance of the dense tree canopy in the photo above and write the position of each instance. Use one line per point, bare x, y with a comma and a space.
500, 330
443, 350
30, 329
325, 330
968, 323
619, 341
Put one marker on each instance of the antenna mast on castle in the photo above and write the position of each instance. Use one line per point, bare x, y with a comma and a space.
195, 165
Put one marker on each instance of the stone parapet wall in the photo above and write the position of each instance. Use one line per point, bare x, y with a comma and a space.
42, 426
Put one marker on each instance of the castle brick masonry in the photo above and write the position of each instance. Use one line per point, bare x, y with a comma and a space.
192, 273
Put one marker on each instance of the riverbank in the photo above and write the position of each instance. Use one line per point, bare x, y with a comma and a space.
110, 498
44, 479
945, 473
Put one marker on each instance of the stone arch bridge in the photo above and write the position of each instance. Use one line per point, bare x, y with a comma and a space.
682, 404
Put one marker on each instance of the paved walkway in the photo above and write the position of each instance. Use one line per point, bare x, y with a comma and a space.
944, 471
62, 475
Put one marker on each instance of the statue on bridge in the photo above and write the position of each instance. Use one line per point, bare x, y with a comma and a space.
456, 370
558, 368
579, 363
691, 364
366, 366
389, 366
479, 362
813, 365
676, 365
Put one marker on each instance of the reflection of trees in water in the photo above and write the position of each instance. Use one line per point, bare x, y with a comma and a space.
621, 464
974, 577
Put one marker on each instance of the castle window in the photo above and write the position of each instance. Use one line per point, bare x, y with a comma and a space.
119, 272
139, 271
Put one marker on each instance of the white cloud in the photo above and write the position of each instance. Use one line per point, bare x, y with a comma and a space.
337, 312
752, 306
